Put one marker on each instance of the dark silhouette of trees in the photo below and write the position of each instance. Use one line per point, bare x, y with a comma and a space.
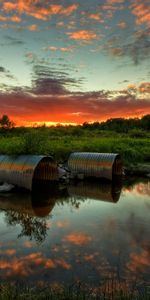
121, 125
6, 123
145, 122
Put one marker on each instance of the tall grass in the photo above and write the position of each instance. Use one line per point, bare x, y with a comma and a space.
73, 292
59, 142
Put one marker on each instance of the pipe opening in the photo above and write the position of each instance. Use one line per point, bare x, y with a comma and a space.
117, 166
46, 170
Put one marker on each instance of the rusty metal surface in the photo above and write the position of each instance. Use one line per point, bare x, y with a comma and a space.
95, 164
23, 169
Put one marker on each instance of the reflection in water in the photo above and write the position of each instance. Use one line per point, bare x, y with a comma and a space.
23, 208
104, 191
30, 226
98, 241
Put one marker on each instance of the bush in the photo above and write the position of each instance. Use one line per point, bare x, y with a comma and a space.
35, 143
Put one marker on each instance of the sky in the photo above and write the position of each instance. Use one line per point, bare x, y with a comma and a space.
74, 61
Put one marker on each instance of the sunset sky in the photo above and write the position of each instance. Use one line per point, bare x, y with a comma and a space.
74, 61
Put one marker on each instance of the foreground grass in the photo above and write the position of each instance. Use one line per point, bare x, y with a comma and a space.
60, 142
13, 292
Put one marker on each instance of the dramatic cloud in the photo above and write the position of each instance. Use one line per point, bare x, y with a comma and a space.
48, 81
50, 100
70, 108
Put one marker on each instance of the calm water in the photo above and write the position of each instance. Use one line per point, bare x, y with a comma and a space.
88, 232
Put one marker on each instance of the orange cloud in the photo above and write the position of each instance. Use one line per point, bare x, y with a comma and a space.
78, 238
83, 35
70, 9
138, 262
3, 19
24, 266
8, 6
50, 264
32, 27
40, 12
96, 16
142, 12
14, 18
111, 6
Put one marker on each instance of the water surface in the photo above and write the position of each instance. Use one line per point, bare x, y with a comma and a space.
89, 232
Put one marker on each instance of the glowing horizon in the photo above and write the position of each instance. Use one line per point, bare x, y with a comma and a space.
55, 124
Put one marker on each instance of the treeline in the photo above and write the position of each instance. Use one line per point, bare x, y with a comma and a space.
119, 125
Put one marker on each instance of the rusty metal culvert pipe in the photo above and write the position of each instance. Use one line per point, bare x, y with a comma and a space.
22, 170
100, 165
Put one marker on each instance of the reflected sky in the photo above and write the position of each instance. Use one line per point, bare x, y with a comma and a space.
73, 236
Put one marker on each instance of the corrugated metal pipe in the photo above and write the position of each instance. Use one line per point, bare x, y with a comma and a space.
101, 165
22, 170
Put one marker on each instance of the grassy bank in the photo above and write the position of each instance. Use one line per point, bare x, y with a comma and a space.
12, 292
134, 147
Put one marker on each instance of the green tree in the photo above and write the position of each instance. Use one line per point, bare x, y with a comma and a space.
6, 123
145, 122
